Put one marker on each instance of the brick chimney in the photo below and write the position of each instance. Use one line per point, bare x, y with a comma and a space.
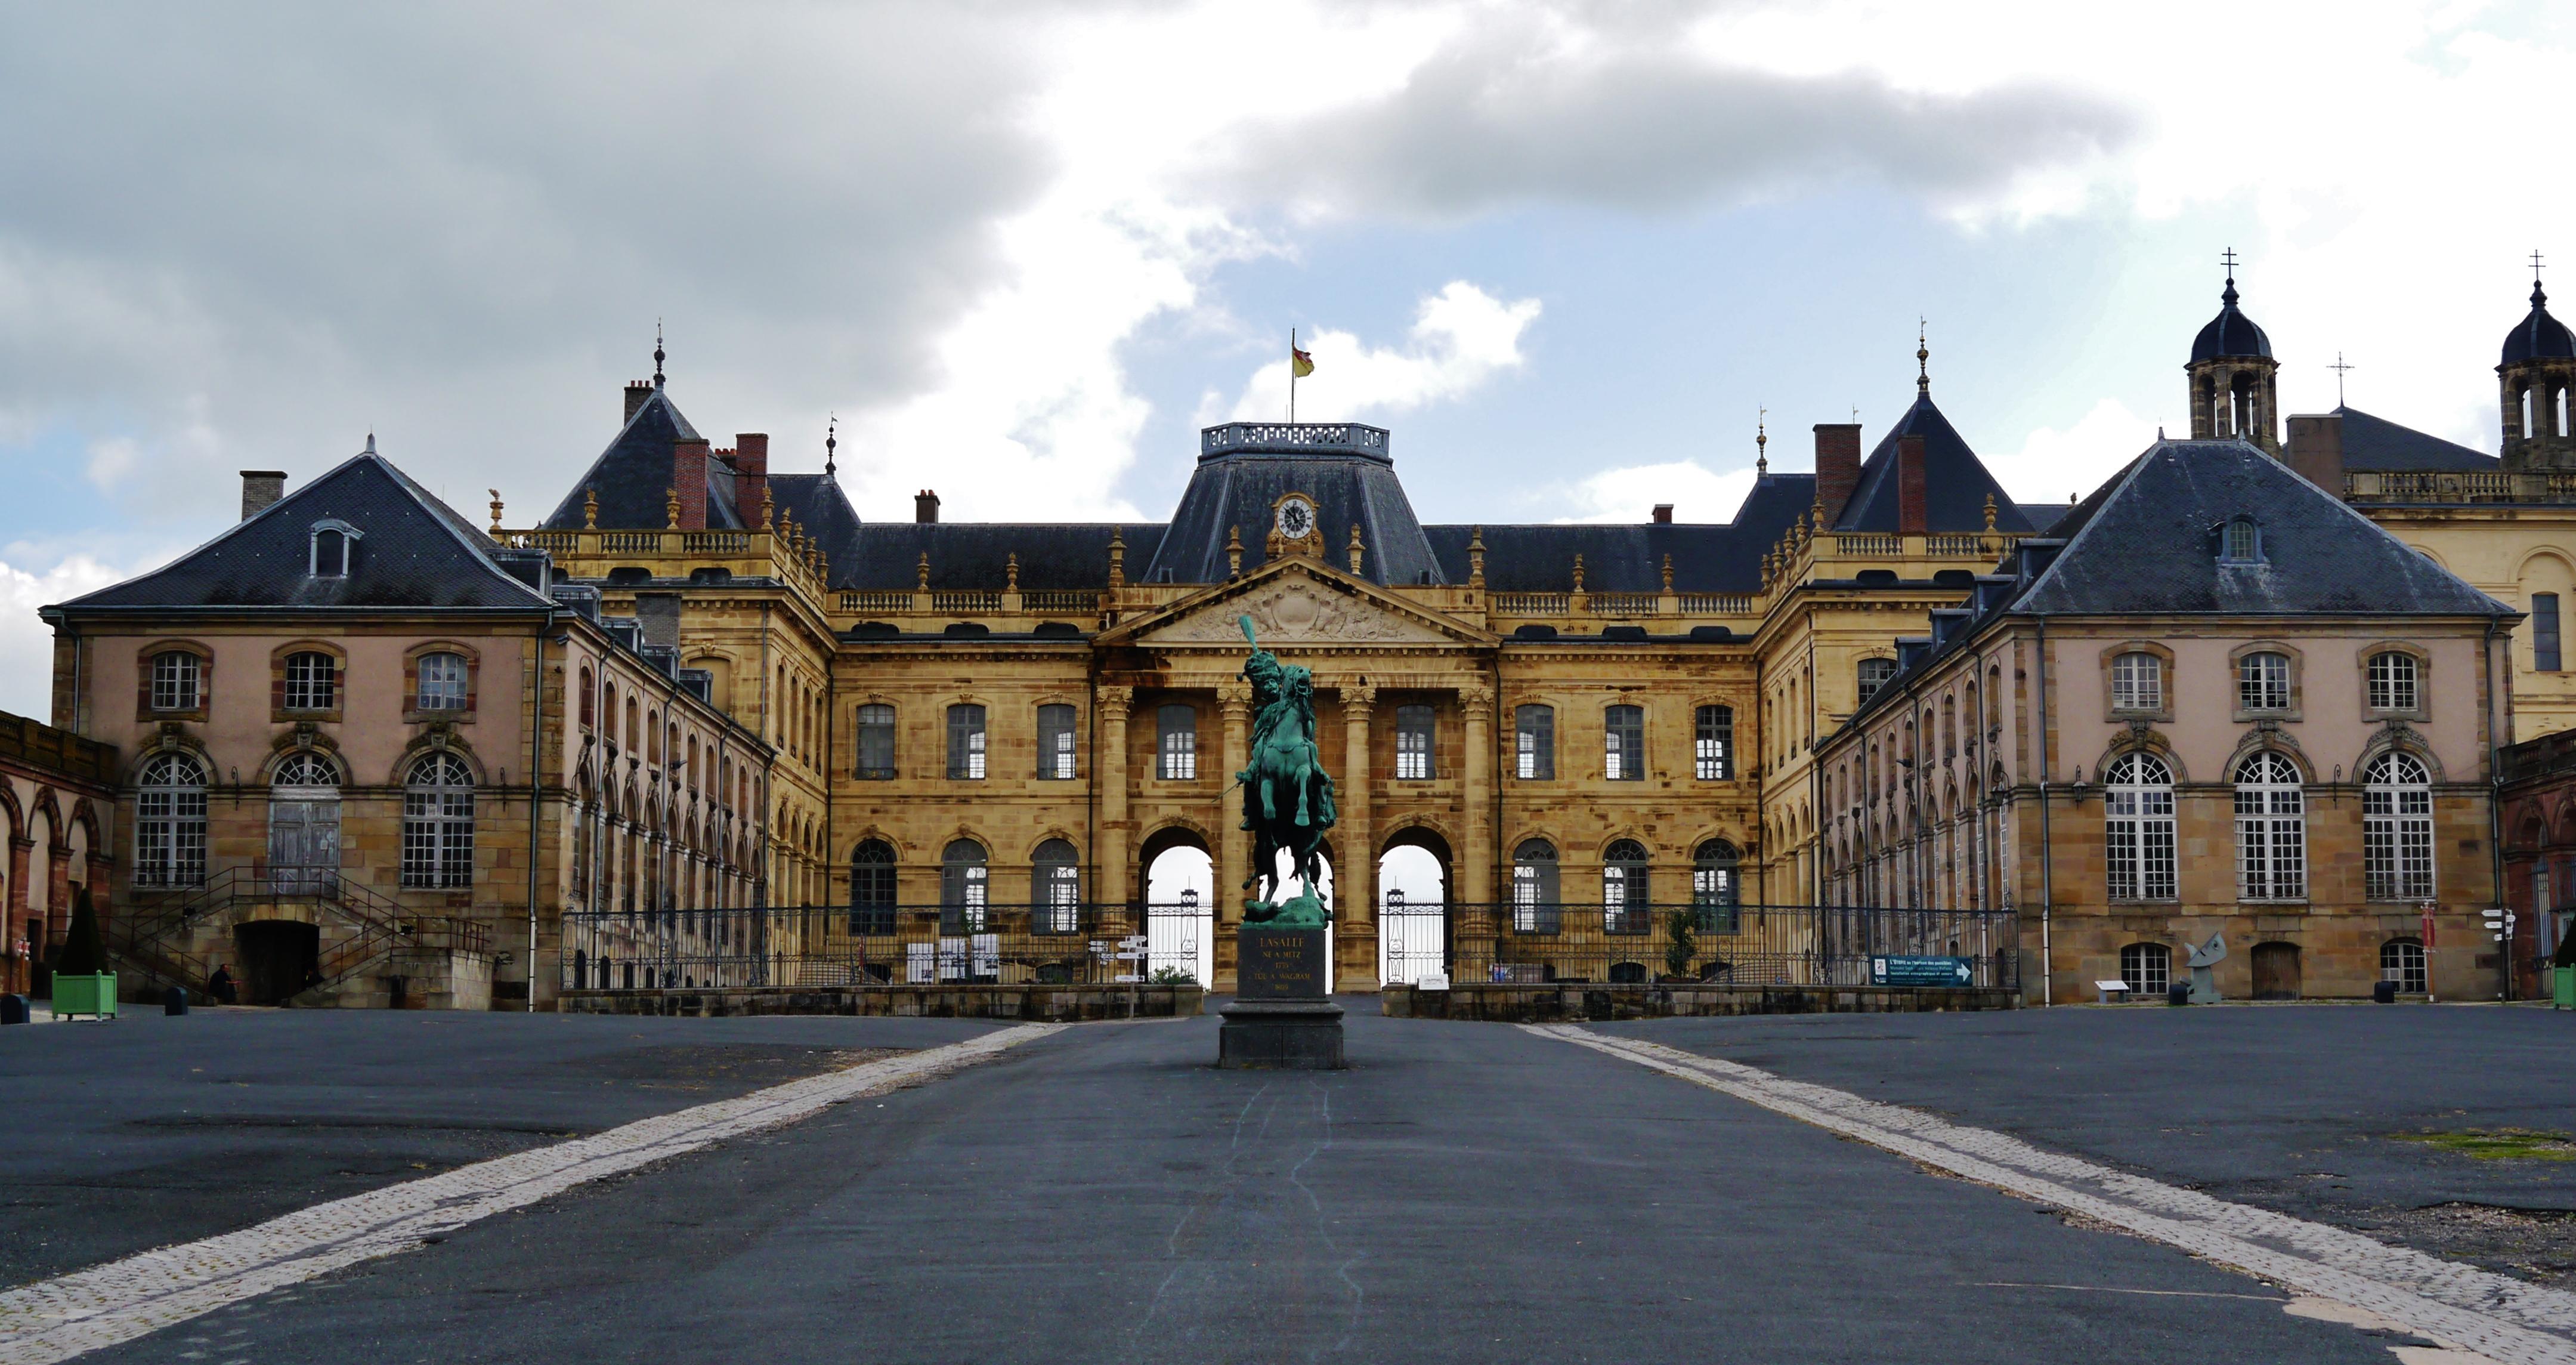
260, 488
1910, 515
2316, 450
637, 390
750, 475
1837, 466
925, 507
689, 476
1663, 514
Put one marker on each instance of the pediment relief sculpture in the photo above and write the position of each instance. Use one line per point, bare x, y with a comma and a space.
1293, 611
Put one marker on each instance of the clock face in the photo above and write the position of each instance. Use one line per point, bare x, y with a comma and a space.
1296, 518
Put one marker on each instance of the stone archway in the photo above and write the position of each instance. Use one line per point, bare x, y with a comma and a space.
1176, 877
277, 957
1415, 874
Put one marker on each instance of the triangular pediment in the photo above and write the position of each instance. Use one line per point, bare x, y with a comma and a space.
1296, 602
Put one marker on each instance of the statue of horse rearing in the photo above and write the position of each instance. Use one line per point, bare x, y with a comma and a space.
1287, 795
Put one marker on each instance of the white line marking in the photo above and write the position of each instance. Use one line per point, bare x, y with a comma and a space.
59, 1318
2456, 1305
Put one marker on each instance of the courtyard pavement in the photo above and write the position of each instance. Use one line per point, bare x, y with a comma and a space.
1465, 1192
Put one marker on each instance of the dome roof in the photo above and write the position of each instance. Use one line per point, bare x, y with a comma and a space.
2231, 333
2538, 336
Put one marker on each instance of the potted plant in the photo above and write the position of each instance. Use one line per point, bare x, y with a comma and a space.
2563, 989
82, 982
1682, 925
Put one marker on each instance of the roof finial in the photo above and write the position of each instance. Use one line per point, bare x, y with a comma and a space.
2228, 258
831, 446
2538, 299
1761, 443
371, 443
2339, 367
1922, 356
657, 353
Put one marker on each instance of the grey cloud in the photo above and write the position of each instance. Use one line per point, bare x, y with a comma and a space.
1498, 122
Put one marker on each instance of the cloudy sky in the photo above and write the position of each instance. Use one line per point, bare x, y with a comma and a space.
1567, 251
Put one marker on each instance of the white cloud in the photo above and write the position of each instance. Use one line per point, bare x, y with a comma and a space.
1629, 494
2052, 464
26, 684
1461, 337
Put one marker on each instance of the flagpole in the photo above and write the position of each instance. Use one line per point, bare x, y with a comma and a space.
1292, 376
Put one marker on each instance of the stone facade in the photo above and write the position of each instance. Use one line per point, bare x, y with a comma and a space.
57, 812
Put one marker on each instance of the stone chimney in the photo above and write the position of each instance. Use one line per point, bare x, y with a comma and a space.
260, 488
1663, 514
1837, 466
659, 614
2316, 450
925, 507
637, 391
689, 479
1911, 518
750, 475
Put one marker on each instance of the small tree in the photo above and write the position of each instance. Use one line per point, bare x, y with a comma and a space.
1683, 925
2566, 954
81, 955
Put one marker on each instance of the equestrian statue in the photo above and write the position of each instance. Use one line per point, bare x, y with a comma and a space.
1287, 795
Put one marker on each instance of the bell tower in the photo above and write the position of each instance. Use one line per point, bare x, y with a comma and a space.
2536, 372
2234, 381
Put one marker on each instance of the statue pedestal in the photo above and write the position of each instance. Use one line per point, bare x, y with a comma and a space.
1281, 1016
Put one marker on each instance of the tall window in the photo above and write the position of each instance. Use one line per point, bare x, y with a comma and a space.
438, 824
1624, 900
2244, 542
962, 888
2392, 681
177, 681
966, 741
2402, 960
1534, 741
1714, 888
1413, 742
872, 888
589, 702
1536, 908
170, 822
1713, 759
2139, 829
1177, 725
2137, 682
2544, 630
2271, 830
2147, 968
1874, 674
2263, 682
1055, 742
1623, 730
442, 682
876, 741
2397, 828
312, 681
1055, 887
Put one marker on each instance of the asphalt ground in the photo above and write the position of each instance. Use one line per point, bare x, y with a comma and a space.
2295, 1108
1465, 1192
150, 1129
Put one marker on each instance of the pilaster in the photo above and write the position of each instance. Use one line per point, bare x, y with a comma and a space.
1233, 842
1116, 881
1355, 876
1475, 870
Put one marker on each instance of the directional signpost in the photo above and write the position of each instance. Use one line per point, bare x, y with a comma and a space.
1896, 969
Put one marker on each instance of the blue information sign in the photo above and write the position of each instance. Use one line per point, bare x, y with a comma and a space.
1894, 969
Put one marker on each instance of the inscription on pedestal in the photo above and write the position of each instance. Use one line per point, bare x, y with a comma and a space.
1280, 964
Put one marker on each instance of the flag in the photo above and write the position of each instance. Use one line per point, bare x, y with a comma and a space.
1300, 364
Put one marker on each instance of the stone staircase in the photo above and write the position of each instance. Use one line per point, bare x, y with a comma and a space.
371, 945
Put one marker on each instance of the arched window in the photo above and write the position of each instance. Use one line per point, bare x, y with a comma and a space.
1055, 887
2147, 967
2402, 960
1176, 726
2263, 682
589, 702
334, 544
1713, 759
1714, 888
312, 681
442, 682
2242, 542
2392, 681
2271, 830
2397, 829
966, 741
2138, 829
962, 887
305, 768
438, 824
170, 822
1536, 908
1874, 674
1534, 742
1949, 726
1625, 905
872, 888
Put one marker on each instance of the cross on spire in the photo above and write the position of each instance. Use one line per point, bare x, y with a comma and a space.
1922, 356
657, 353
831, 444
2535, 267
2228, 258
1761, 442
2339, 368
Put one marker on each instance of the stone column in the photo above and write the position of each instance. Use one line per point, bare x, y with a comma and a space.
1117, 883
1355, 876
1475, 870
58, 890
20, 849
1233, 843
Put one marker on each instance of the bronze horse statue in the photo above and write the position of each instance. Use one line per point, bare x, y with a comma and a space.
1287, 795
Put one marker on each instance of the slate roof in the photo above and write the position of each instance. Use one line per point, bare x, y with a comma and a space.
2377, 443
413, 551
1237, 485
2538, 335
820, 509
633, 475
976, 554
1955, 482
2231, 333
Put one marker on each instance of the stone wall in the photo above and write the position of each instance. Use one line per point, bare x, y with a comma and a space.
1050, 1004
1589, 1001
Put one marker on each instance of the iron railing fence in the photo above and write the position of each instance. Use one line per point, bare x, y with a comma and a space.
815, 946
1741, 945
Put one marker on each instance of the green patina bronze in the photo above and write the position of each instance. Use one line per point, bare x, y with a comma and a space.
1287, 795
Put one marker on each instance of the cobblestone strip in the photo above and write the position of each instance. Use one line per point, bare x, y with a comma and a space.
2503, 1318
63, 1317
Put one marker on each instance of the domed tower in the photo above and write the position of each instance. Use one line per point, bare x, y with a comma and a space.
2234, 390
2538, 367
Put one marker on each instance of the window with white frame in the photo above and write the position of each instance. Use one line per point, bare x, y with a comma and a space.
2392, 681
2138, 828
1536, 908
1178, 727
170, 823
966, 741
1534, 741
442, 682
1713, 757
1714, 888
876, 741
1625, 904
1056, 742
2397, 829
2137, 682
2402, 960
1874, 674
1414, 735
1055, 885
178, 681
1624, 743
2263, 682
2271, 830
2244, 542
438, 824
963, 887
312, 681
2147, 968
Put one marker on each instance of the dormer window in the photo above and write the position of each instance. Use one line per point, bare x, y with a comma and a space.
2241, 542
333, 545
